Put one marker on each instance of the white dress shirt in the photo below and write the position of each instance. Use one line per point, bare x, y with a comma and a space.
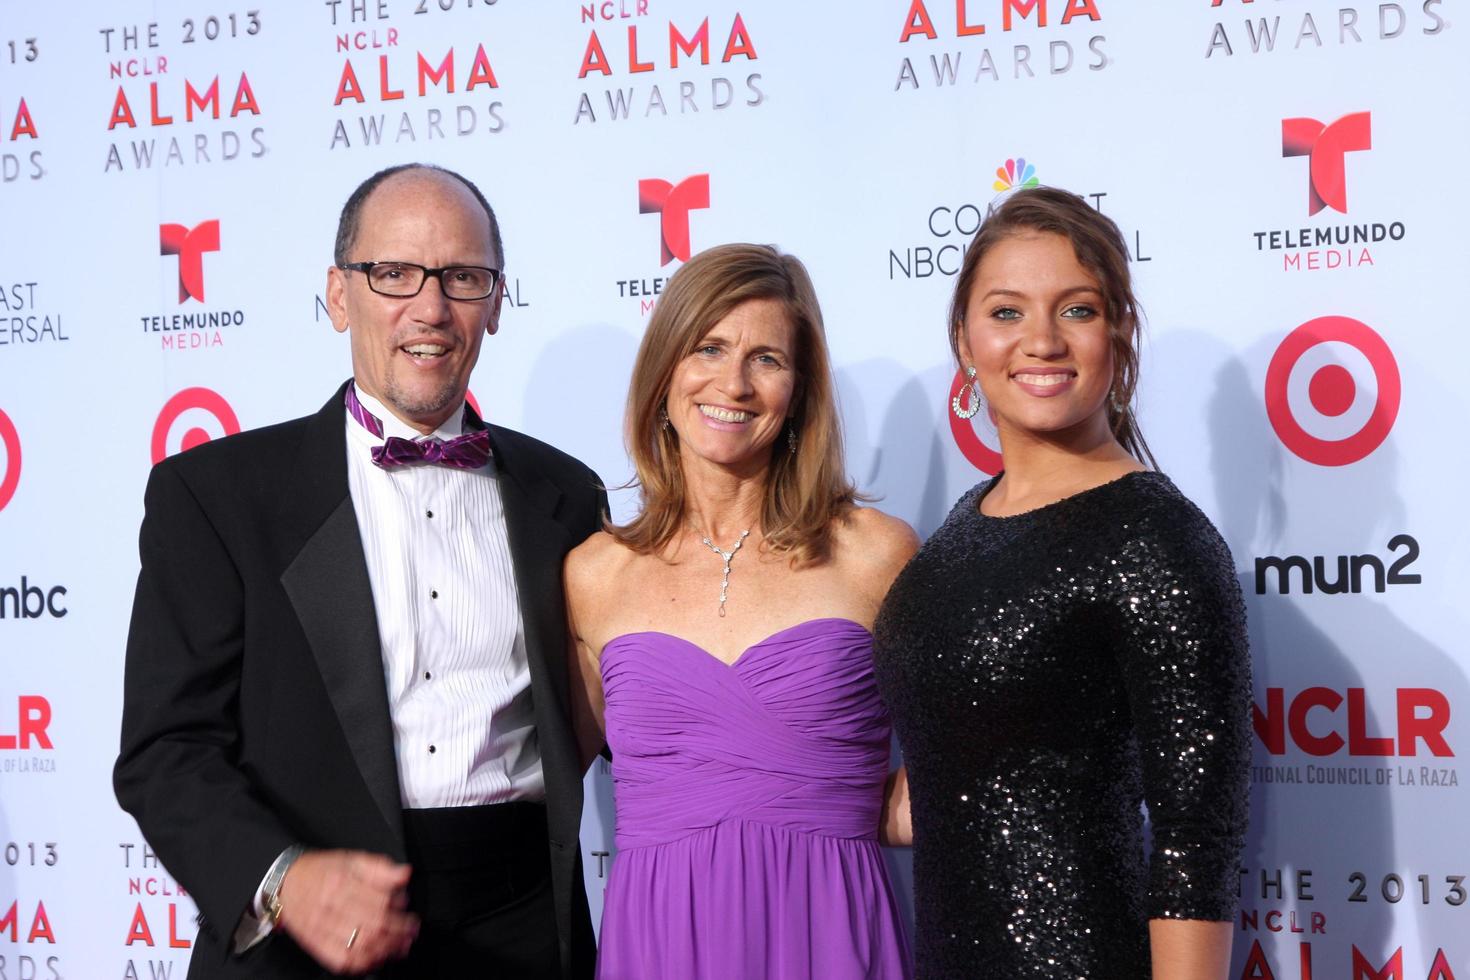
449, 622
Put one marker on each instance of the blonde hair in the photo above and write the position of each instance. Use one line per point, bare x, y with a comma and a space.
807, 489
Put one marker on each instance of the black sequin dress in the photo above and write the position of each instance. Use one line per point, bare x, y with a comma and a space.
1046, 673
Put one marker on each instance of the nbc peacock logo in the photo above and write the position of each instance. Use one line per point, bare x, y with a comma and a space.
1015, 175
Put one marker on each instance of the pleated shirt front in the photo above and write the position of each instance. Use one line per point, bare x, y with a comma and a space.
449, 621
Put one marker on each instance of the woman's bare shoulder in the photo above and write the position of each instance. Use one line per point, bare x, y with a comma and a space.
882, 536
871, 548
595, 559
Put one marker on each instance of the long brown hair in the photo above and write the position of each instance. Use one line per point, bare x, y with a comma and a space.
1100, 250
807, 489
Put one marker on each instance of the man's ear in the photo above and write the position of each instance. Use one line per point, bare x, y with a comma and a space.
337, 298
495, 298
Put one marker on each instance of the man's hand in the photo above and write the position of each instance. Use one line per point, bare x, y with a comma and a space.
348, 909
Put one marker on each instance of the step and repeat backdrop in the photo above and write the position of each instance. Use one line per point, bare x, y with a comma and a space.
1289, 175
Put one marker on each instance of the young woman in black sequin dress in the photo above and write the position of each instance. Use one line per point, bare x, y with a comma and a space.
1068, 645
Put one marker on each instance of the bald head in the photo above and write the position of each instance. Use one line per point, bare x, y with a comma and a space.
349, 226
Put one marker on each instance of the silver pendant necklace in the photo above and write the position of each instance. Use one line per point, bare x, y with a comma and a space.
726, 556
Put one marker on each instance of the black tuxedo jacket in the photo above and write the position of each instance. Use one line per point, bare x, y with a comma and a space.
255, 711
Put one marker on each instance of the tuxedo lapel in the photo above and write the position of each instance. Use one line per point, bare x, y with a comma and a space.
537, 544
328, 585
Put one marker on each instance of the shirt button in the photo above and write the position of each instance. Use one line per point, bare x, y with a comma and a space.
429, 514
431, 750
428, 676
433, 593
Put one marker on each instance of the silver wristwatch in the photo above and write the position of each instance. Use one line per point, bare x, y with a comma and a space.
271, 889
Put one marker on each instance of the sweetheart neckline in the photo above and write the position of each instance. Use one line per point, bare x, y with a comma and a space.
732, 664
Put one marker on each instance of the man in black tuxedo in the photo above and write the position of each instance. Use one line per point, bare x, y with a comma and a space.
346, 724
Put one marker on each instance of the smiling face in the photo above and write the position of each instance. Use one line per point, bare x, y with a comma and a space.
1035, 331
415, 354
729, 398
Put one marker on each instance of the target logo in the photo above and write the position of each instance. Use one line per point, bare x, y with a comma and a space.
672, 203
9, 459
1332, 391
191, 418
975, 436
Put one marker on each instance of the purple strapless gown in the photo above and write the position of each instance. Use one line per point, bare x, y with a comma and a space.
748, 799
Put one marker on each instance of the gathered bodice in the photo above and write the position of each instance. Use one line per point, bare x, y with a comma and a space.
792, 734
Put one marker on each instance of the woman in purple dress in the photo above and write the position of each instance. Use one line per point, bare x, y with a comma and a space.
723, 645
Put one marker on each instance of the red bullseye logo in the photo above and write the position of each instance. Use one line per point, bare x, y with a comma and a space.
975, 449
1332, 391
10, 461
194, 402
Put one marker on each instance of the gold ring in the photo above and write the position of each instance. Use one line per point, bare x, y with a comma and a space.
352, 938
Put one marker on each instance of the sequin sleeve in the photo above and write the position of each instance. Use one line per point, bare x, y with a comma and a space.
1186, 668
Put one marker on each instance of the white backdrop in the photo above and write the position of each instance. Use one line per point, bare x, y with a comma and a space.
866, 139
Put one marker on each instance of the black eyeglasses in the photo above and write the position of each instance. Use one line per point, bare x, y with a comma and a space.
404, 279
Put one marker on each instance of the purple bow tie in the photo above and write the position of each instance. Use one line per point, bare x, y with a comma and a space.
467, 452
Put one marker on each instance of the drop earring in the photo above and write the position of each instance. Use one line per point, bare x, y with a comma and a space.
1116, 403
957, 404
